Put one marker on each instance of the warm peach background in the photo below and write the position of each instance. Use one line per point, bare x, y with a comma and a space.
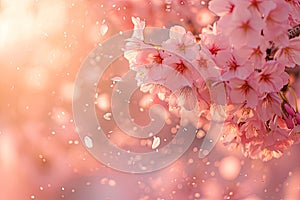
42, 45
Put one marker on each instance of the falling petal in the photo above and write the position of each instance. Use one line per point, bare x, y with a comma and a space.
156, 142
88, 142
103, 29
107, 116
117, 79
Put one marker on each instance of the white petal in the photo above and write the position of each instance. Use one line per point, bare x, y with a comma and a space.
156, 142
103, 29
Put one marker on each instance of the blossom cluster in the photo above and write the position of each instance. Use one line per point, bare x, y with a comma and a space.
250, 50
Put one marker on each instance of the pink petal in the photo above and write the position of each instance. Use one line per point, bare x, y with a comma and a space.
252, 99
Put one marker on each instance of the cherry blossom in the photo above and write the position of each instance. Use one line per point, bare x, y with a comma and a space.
233, 64
277, 24
289, 54
271, 78
212, 43
242, 92
184, 98
248, 51
268, 105
263, 7
182, 42
244, 29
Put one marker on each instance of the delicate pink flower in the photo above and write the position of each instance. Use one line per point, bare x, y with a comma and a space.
206, 66
257, 54
234, 64
180, 72
231, 135
136, 42
233, 54
271, 79
262, 6
252, 127
149, 56
289, 54
183, 98
261, 143
275, 142
182, 43
213, 43
244, 29
277, 23
139, 27
294, 15
149, 67
242, 92
203, 95
222, 7
268, 105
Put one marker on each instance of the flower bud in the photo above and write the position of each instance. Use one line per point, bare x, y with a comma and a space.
289, 109
289, 122
297, 117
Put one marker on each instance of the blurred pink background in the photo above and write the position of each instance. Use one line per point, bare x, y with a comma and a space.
42, 45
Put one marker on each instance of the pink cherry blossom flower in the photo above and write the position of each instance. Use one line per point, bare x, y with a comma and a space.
182, 43
139, 27
262, 6
275, 142
203, 95
294, 15
234, 64
289, 54
268, 105
271, 79
206, 66
242, 92
181, 73
149, 67
211, 43
234, 53
258, 142
252, 127
183, 98
244, 29
136, 41
222, 7
257, 55
277, 23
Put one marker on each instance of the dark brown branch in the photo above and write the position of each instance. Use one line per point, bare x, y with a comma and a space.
294, 32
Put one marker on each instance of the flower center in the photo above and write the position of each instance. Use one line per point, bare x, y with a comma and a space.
180, 67
233, 64
246, 87
245, 25
214, 49
265, 77
157, 59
